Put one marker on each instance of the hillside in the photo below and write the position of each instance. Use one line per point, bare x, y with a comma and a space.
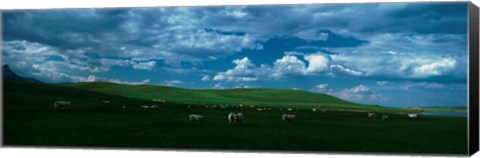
263, 97
40, 96
8, 74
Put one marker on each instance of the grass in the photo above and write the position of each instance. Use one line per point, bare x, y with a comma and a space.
263, 97
447, 108
89, 123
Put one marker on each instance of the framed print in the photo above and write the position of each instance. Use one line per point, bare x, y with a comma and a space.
388, 78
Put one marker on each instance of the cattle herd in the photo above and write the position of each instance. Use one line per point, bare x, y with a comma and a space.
233, 118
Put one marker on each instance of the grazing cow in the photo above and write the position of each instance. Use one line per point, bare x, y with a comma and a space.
232, 117
287, 117
289, 109
158, 100
371, 114
61, 104
195, 117
235, 118
412, 115
239, 117
385, 117
145, 106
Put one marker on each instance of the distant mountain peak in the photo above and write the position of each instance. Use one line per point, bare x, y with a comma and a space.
8, 74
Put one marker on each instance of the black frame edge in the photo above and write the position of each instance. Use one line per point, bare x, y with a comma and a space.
473, 107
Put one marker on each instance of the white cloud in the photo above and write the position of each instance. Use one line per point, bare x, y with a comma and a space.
344, 70
36, 58
320, 88
291, 65
376, 98
390, 52
404, 56
93, 78
219, 77
422, 86
206, 78
294, 53
128, 82
312, 34
49, 62
435, 68
316, 63
172, 82
245, 70
149, 65
235, 12
359, 89
288, 65
382, 83
360, 93
218, 86
242, 86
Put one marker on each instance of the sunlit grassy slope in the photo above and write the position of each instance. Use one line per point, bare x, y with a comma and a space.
263, 97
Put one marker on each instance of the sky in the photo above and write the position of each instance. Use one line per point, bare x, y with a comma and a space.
390, 54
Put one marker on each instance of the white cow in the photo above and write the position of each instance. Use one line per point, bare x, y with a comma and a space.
145, 106
239, 117
154, 106
412, 115
371, 114
287, 117
195, 117
61, 104
385, 117
158, 100
235, 118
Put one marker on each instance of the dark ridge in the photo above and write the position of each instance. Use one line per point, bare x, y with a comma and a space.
8, 74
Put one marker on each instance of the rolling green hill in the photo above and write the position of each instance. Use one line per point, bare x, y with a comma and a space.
263, 97
41, 96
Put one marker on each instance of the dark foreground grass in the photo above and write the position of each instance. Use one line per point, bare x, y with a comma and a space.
34, 122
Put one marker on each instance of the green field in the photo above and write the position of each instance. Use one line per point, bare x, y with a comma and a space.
260, 97
337, 125
447, 108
